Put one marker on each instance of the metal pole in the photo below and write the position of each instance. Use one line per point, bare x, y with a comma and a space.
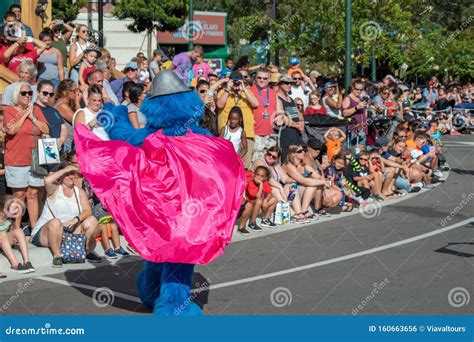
190, 26
348, 61
101, 23
373, 65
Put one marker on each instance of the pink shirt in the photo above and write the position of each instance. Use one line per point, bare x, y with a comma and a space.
202, 69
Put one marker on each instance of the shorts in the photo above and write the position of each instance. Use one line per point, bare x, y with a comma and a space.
19, 177
36, 239
261, 145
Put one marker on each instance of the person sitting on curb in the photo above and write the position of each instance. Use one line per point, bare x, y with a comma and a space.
66, 208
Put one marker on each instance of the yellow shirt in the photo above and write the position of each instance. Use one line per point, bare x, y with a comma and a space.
247, 112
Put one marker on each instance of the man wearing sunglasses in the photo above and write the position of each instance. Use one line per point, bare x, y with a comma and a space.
131, 74
300, 87
264, 114
57, 126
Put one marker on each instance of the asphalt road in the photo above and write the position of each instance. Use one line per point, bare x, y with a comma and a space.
380, 263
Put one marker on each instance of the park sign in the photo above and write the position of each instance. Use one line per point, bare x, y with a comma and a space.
207, 28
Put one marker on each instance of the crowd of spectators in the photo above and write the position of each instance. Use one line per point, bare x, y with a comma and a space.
302, 139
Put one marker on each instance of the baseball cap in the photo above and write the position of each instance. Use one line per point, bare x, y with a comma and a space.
294, 60
315, 144
131, 65
212, 73
285, 79
236, 76
328, 85
159, 52
381, 142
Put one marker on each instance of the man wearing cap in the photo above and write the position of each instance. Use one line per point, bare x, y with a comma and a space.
159, 58
299, 88
131, 74
293, 121
264, 114
237, 94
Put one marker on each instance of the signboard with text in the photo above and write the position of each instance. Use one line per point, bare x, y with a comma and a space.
207, 28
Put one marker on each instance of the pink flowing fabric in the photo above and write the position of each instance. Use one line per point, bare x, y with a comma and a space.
176, 199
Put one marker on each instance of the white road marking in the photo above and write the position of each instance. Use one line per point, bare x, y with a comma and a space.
341, 258
283, 272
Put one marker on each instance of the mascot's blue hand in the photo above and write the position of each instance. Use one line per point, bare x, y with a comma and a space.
115, 121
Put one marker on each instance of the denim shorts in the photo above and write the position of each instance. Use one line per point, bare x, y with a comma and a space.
36, 239
19, 177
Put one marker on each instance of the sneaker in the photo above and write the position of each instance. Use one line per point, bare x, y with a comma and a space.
57, 262
243, 231
438, 173
268, 223
110, 254
29, 267
122, 252
92, 257
446, 168
131, 250
20, 268
253, 226
415, 189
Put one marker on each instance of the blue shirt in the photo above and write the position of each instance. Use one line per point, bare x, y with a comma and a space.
431, 98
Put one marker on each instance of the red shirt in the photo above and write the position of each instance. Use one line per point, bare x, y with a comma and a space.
252, 189
311, 111
264, 114
18, 147
15, 59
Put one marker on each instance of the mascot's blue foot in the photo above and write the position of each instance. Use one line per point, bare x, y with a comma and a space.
175, 294
149, 283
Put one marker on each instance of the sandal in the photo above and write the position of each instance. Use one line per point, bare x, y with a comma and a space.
2, 275
310, 217
348, 207
298, 218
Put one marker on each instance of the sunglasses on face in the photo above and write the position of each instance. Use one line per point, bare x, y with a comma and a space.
299, 151
297, 78
385, 93
202, 91
245, 76
274, 157
128, 70
401, 136
24, 93
299, 105
45, 93
84, 31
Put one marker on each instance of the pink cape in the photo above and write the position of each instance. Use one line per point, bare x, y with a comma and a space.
176, 199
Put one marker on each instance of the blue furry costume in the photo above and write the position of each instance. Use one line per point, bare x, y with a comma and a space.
166, 286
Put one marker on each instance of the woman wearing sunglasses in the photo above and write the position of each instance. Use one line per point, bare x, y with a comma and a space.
20, 123
77, 50
279, 180
58, 128
308, 180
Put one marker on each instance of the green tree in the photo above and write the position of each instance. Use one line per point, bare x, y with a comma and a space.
65, 10
163, 15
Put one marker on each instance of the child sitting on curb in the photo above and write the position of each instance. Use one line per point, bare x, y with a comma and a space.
10, 208
258, 196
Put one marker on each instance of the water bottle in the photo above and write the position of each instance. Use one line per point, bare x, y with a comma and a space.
292, 194
330, 174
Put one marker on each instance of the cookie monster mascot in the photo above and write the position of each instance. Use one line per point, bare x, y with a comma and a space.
173, 189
